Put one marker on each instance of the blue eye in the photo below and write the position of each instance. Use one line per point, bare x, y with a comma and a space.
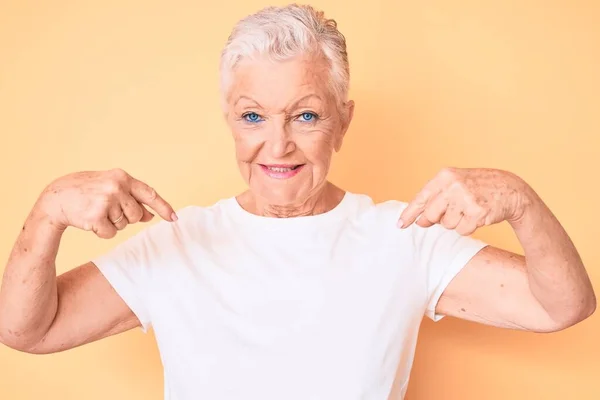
252, 117
308, 117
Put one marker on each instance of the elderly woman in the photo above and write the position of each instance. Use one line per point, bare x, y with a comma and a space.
294, 289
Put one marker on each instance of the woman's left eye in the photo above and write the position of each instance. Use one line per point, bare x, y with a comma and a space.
308, 117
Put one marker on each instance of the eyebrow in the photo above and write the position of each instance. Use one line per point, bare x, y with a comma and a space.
247, 98
293, 105
306, 97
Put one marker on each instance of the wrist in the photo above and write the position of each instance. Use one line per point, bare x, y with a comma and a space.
46, 214
521, 200
42, 221
528, 204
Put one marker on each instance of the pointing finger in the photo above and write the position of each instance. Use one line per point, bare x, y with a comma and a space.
415, 208
147, 195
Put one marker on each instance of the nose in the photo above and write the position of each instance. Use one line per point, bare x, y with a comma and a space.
281, 142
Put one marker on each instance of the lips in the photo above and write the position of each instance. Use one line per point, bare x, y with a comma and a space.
281, 171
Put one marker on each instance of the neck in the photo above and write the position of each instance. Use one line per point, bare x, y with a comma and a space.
320, 202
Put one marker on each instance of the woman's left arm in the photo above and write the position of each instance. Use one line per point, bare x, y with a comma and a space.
546, 290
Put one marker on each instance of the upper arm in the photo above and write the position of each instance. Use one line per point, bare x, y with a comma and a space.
493, 289
88, 309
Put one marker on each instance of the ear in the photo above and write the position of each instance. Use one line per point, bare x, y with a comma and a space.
224, 108
347, 115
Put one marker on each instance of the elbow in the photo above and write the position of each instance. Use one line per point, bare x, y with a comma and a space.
17, 341
587, 309
8, 339
590, 307
572, 316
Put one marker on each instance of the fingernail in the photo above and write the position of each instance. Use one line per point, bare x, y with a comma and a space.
174, 217
400, 223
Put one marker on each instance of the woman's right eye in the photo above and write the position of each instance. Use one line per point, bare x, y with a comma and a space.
252, 117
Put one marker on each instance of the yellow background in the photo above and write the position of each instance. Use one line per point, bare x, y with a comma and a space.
133, 84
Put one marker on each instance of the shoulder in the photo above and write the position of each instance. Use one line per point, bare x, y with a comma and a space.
194, 216
384, 210
193, 222
383, 216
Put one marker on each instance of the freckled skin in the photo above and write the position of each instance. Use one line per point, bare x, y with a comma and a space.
546, 291
39, 309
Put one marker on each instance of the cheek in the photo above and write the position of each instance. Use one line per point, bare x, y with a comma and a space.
318, 150
246, 146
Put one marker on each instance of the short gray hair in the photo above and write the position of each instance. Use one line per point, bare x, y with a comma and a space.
281, 33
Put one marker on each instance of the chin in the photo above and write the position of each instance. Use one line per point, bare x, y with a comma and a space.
280, 195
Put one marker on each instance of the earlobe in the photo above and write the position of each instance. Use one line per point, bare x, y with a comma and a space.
338, 144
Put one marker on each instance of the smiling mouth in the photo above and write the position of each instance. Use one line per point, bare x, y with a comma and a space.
281, 168
281, 171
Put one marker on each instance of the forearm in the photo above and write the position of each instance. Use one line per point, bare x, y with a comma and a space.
557, 276
28, 295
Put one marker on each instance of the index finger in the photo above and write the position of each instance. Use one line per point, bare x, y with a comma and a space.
147, 195
412, 211
416, 207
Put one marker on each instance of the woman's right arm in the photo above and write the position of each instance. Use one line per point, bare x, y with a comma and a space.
43, 313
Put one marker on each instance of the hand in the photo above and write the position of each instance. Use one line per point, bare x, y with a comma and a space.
103, 202
467, 199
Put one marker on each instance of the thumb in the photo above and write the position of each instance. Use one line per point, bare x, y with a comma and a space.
411, 213
147, 215
424, 222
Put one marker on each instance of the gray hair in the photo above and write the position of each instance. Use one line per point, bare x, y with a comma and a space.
281, 33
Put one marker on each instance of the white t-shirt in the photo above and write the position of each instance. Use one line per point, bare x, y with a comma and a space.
324, 307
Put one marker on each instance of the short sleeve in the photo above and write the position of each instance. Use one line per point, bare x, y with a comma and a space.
442, 253
132, 266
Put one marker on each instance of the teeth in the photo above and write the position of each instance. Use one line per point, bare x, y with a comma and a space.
277, 169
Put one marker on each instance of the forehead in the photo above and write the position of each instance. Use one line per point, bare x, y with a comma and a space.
277, 83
